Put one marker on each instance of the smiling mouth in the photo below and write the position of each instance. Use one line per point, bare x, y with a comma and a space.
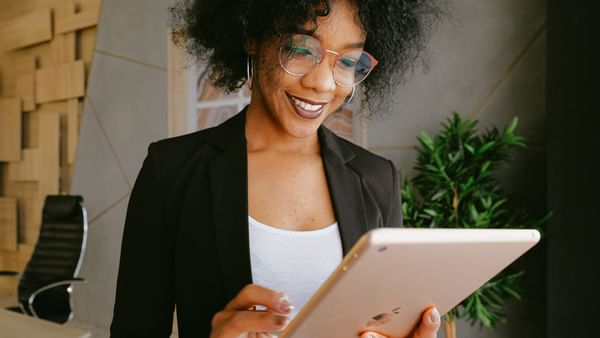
306, 109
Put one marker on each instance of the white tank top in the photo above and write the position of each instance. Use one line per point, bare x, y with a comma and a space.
294, 262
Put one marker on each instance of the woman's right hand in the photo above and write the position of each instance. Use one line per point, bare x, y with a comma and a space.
239, 319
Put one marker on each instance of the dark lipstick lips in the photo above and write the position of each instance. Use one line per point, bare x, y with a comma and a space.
304, 113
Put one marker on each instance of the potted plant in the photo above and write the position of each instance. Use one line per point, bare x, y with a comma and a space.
455, 187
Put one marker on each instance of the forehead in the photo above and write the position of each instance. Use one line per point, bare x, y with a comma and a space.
340, 28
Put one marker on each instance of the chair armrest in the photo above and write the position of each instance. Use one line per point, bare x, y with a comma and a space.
4, 273
48, 287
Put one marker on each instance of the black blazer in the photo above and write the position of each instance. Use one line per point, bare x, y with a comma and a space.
185, 240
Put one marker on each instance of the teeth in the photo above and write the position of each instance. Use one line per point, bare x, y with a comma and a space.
307, 106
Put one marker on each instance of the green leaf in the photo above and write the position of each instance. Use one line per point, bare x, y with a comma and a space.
513, 124
470, 148
426, 140
430, 212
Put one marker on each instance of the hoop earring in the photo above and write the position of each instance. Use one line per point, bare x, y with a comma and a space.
349, 98
249, 71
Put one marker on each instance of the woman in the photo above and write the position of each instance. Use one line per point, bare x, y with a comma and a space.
219, 221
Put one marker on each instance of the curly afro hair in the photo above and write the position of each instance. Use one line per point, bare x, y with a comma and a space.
216, 31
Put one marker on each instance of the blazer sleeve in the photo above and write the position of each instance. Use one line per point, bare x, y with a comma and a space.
145, 285
395, 215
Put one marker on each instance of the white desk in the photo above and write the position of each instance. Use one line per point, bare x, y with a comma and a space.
16, 325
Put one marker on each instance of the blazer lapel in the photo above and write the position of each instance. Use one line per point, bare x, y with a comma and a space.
345, 188
229, 189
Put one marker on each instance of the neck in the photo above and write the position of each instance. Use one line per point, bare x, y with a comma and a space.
264, 133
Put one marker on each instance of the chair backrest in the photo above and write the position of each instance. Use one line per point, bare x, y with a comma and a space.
57, 255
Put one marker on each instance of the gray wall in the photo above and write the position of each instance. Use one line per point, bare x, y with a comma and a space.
486, 61
125, 110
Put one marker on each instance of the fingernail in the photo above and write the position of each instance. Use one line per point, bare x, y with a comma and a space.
284, 304
370, 335
281, 320
434, 316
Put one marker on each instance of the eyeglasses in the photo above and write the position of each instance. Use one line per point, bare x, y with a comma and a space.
300, 53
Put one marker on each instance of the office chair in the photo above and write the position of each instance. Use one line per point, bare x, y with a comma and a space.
45, 286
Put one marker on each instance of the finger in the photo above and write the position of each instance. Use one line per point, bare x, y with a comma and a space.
253, 294
370, 334
240, 322
265, 335
430, 324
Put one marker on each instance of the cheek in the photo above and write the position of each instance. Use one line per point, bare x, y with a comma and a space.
269, 73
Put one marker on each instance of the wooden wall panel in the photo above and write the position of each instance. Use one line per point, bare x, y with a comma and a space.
49, 154
73, 108
43, 68
25, 89
8, 223
29, 209
60, 82
77, 21
26, 30
31, 123
10, 129
24, 68
28, 169
88, 42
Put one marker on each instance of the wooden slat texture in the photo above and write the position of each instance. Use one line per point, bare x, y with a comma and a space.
24, 62
46, 49
64, 44
88, 43
60, 82
31, 123
26, 30
29, 209
8, 284
26, 170
49, 154
8, 223
77, 21
24, 254
25, 89
72, 129
56, 107
10, 129
85, 5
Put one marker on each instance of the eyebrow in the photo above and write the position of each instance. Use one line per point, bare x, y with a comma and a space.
315, 35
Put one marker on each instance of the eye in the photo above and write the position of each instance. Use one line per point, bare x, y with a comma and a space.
347, 62
299, 51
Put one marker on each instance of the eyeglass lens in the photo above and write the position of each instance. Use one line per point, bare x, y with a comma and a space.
300, 53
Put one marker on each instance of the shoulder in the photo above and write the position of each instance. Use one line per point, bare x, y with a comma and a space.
368, 164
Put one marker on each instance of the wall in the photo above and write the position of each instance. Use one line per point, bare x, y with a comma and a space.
45, 55
125, 110
486, 61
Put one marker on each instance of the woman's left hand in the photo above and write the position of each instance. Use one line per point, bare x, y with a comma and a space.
430, 324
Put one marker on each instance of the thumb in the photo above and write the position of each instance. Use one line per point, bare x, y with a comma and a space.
430, 324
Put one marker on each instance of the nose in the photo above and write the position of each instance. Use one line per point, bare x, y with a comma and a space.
320, 77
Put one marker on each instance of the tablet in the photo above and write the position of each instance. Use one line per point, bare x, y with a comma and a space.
391, 275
